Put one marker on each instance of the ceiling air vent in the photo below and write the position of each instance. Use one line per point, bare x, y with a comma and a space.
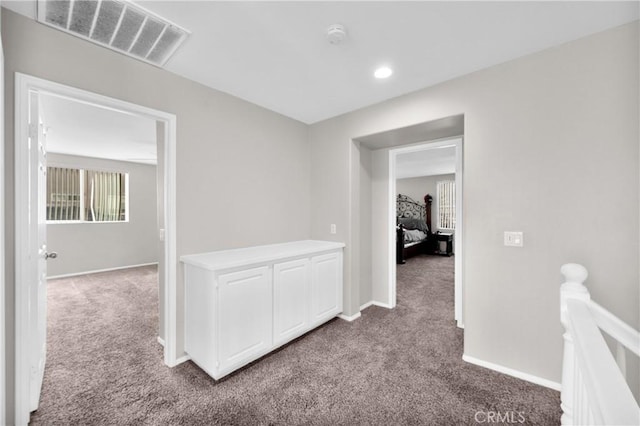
117, 24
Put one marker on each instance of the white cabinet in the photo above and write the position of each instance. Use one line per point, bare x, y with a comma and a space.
244, 315
291, 287
241, 304
326, 287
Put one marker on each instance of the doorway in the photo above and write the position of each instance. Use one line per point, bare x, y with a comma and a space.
426, 150
29, 254
373, 213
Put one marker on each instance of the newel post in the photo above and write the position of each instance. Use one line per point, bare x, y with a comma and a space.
573, 288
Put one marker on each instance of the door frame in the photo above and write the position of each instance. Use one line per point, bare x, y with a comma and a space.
3, 375
457, 142
23, 85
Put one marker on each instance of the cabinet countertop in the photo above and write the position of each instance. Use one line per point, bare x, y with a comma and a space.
226, 259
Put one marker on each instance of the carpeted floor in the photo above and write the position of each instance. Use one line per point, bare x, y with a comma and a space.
400, 366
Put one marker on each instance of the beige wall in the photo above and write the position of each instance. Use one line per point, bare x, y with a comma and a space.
83, 247
548, 137
242, 171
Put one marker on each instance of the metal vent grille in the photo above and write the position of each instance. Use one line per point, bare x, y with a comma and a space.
117, 24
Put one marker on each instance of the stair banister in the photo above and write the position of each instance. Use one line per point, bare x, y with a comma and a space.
594, 390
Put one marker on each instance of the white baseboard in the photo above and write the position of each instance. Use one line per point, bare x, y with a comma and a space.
182, 359
366, 305
514, 373
117, 268
374, 303
351, 318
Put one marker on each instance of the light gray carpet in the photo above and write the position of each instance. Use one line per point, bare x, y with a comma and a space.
400, 366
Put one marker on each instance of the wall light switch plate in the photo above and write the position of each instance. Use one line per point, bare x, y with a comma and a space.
513, 239
333, 228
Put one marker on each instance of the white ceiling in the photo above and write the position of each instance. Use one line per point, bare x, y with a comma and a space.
436, 161
90, 131
276, 54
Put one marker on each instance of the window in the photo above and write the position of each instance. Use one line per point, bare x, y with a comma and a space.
447, 204
79, 195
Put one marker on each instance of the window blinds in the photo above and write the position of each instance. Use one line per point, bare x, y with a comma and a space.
447, 204
63, 194
86, 195
105, 195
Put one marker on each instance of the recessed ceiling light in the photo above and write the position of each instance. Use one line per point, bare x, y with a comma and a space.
383, 72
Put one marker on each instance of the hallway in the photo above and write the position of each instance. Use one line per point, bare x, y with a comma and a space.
400, 366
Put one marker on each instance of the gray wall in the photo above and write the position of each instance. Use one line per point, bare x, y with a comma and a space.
366, 271
84, 247
541, 134
242, 171
418, 187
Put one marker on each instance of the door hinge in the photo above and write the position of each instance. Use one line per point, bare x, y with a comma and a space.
33, 131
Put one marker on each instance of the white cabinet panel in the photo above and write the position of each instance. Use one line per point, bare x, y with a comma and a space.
244, 315
326, 285
200, 330
291, 299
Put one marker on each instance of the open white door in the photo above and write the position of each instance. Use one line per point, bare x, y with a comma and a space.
37, 251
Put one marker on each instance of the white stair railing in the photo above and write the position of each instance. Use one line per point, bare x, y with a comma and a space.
594, 389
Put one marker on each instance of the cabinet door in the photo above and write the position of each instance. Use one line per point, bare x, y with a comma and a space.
326, 287
291, 299
244, 316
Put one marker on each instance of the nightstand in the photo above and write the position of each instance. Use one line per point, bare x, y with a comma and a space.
446, 237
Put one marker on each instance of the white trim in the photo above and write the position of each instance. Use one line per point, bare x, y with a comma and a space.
161, 341
3, 392
23, 84
513, 373
183, 358
350, 318
21, 319
96, 271
375, 303
383, 305
366, 305
456, 142
458, 236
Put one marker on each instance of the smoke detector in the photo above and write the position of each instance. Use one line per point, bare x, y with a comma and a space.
336, 33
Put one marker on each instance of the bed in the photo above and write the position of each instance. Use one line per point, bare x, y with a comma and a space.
413, 227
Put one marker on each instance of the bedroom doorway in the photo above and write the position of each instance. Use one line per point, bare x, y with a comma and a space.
30, 347
429, 174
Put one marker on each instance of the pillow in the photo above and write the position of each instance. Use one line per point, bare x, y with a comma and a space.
411, 223
413, 235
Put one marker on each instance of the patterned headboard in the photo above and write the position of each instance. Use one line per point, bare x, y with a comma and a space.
408, 207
